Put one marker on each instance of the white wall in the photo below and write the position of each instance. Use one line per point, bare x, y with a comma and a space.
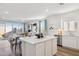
55, 22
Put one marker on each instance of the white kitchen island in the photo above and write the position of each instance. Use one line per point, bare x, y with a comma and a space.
32, 46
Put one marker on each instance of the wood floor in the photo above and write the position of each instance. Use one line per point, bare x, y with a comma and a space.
5, 48
63, 51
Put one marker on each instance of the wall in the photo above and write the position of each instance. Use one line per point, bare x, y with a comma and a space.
54, 21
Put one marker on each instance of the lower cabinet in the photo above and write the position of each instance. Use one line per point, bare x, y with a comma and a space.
40, 49
78, 43
46, 48
72, 42
43, 48
54, 46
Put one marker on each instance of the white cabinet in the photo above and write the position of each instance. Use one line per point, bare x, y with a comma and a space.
48, 48
74, 39
54, 46
66, 24
77, 43
40, 49
64, 41
28, 49
44, 48
72, 26
69, 41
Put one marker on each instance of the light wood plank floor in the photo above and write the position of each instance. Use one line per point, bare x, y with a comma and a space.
63, 51
5, 48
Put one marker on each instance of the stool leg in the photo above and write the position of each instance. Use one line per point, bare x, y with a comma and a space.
11, 46
20, 50
15, 49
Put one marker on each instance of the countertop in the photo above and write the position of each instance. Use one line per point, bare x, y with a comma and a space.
71, 35
34, 40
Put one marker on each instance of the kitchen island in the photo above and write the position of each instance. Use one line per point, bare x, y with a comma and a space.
32, 46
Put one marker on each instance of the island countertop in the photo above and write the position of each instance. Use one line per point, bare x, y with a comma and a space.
34, 40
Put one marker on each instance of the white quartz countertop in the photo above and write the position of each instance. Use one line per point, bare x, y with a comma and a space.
34, 40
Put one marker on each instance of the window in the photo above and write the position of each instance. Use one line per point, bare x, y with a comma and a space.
2, 29
19, 27
42, 26
9, 26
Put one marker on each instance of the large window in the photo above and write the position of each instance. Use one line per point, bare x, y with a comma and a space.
42, 26
9, 26
2, 29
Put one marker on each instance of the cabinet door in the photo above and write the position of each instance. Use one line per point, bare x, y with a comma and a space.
77, 43
28, 49
72, 26
64, 41
73, 42
48, 48
40, 50
69, 42
66, 26
54, 46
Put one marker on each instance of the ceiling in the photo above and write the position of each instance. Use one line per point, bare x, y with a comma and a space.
29, 11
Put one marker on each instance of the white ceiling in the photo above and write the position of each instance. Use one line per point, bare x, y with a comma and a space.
28, 11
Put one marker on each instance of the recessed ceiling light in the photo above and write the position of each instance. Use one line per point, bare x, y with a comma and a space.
6, 12
47, 10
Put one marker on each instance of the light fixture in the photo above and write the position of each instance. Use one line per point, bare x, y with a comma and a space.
6, 12
46, 10
61, 4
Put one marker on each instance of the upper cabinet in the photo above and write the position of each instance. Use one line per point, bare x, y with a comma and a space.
66, 26
70, 26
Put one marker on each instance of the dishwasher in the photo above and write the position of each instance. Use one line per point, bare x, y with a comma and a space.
59, 40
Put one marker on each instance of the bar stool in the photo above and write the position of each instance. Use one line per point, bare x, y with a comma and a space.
11, 41
18, 42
